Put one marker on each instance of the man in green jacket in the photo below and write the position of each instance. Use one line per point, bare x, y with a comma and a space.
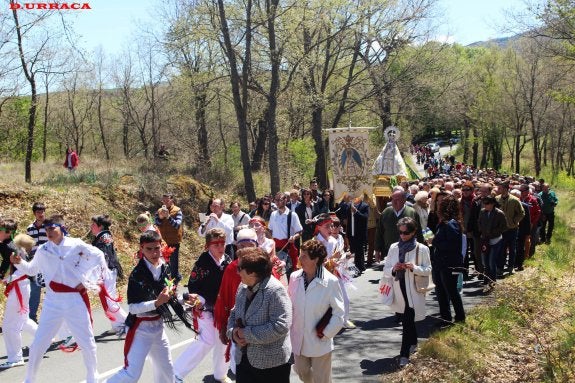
547, 213
387, 231
514, 213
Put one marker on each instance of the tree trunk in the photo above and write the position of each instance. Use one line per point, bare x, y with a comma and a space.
45, 127
475, 146
275, 57
240, 98
320, 171
101, 125
465, 140
34, 100
260, 146
203, 154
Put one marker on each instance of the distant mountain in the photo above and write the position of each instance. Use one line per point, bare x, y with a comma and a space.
501, 42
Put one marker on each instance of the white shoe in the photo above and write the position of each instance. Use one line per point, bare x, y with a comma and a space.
224, 380
69, 341
120, 331
7, 365
349, 324
177, 379
403, 361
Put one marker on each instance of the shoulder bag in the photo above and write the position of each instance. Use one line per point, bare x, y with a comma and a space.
423, 283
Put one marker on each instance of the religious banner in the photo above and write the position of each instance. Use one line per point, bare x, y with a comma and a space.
348, 151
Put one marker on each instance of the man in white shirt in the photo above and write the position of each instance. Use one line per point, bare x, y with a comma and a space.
219, 219
241, 219
69, 266
285, 227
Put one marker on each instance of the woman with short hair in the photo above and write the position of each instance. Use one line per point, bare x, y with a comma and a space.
404, 260
314, 293
260, 321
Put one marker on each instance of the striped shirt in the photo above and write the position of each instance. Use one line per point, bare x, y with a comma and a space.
39, 235
318, 274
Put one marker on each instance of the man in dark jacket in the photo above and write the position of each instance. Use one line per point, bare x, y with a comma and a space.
357, 231
204, 285
387, 231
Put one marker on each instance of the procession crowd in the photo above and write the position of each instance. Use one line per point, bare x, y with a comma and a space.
270, 289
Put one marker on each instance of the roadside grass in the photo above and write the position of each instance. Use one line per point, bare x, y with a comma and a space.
523, 332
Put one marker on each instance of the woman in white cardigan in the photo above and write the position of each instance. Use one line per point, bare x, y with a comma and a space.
401, 265
313, 291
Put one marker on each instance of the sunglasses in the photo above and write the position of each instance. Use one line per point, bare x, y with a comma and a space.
466, 189
265, 203
406, 232
240, 267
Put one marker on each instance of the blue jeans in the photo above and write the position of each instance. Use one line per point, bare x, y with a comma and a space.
34, 302
174, 263
509, 241
490, 261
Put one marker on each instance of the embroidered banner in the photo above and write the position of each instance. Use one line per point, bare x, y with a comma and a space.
351, 167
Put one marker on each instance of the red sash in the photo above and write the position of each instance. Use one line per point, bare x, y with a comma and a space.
132, 332
103, 294
61, 288
13, 285
291, 250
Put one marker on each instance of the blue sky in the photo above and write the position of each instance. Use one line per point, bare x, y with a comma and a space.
111, 23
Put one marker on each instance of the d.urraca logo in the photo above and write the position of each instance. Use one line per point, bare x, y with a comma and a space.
55, 6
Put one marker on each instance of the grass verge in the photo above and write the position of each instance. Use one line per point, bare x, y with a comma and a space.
524, 331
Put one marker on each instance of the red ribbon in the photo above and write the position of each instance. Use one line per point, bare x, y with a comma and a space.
103, 294
13, 285
132, 332
61, 288
197, 314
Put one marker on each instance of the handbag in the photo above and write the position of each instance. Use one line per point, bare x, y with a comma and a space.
386, 291
323, 322
423, 283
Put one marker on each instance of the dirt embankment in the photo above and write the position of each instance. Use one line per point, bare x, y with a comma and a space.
123, 202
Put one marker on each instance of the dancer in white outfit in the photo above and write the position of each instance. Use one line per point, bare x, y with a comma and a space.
69, 266
18, 293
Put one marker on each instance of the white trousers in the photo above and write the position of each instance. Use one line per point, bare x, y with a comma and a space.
67, 308
197, 350
16, 320
345, 300
116, 310
150, 340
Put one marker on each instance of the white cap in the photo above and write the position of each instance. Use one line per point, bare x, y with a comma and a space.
246, 235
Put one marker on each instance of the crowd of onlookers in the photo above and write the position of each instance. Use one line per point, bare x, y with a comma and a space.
294, 247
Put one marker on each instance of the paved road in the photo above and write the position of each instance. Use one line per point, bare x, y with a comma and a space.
361, 354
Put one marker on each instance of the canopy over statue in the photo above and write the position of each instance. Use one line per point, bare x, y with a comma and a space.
390, 162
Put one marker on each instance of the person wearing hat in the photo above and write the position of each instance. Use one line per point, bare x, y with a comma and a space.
227, 294
67, 265
260, 321
491, 225
514, 213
